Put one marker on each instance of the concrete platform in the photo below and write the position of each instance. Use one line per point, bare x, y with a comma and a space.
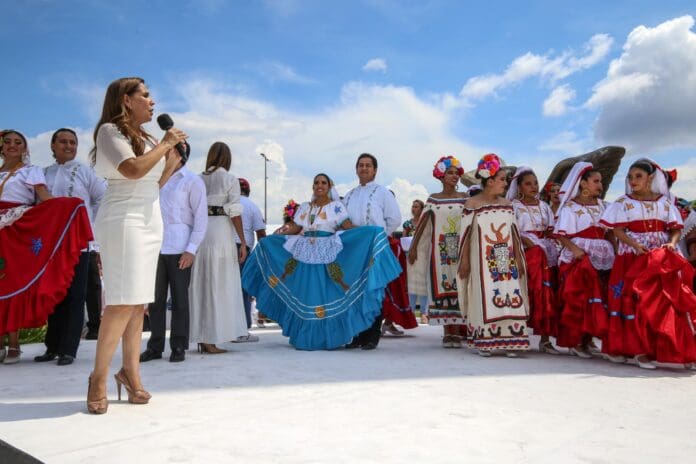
408, 401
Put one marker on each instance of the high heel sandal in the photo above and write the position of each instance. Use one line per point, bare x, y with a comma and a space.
134, 396
97, 406
210, 348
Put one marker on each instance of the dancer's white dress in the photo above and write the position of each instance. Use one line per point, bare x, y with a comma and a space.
215, 294
128, 226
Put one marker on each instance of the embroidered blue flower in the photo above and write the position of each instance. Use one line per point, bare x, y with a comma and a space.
337, 209
617, 289
36, 246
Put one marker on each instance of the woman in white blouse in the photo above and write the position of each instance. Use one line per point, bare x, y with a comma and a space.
128, 228
215, 294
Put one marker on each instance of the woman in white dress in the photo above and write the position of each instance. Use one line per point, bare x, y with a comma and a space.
215, 293
128, 228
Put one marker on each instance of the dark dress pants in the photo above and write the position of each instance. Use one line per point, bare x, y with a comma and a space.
245, 296
94, 288
170, 277
65, 324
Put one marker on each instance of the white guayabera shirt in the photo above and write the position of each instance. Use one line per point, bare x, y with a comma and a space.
373, 205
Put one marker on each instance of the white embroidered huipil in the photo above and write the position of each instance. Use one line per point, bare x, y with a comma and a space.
580, 224
184, 213
313, 245
373, 205
534, 222
647, 222
19, 188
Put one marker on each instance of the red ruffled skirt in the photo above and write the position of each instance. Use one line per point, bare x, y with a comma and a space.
396, 306
38, 254
622, 337
582, 303
664, 308
543, 306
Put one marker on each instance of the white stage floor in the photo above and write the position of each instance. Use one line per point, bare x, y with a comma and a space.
408, 401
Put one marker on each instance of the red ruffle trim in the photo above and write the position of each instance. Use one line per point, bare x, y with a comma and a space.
543, 306
582, 312
396, 306
38, 255
666, 306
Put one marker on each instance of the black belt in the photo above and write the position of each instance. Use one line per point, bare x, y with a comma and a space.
216, 211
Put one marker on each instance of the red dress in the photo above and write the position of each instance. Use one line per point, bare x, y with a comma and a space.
534, 222
650, 299
39, 248
581, 290
396, 306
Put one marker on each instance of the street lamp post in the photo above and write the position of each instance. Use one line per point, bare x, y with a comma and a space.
265, 181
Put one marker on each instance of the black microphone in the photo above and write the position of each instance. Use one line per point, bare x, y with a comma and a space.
165, 122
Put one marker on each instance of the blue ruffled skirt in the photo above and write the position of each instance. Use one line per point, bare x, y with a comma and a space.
322, 289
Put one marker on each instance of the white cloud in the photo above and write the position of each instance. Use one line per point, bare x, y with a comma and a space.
543, 66
564, 144
376, 64
406, 133
405, 192
557, 103
280, 72
647, 101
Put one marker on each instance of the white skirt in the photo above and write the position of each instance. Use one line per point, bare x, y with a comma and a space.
215, 294
128, 229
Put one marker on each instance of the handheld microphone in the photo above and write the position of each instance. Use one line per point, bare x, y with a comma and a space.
165, 122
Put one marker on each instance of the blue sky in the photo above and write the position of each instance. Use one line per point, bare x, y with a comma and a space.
314, 83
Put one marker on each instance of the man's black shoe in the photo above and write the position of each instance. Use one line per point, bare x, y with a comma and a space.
178, 355
369, 346
92, 335
353, 344
149, 355
65, 359
47, 356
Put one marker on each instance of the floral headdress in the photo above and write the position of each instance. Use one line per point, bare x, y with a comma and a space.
488, 166
549, 185
672, 173
289, 211
444, 163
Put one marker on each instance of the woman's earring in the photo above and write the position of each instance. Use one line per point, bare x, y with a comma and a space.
585, 193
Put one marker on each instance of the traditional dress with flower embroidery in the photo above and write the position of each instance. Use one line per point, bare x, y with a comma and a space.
439, 248
322, 287
536, 223
495, 291
39, 248
642, 323
581, 292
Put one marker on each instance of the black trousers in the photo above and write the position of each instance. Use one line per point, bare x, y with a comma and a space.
372, 334
246, 298
65, 324
94, 288
170, 277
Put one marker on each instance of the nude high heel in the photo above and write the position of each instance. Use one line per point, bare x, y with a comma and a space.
134, 396
97, 406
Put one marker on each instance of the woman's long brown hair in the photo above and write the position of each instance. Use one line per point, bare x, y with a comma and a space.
114, 111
